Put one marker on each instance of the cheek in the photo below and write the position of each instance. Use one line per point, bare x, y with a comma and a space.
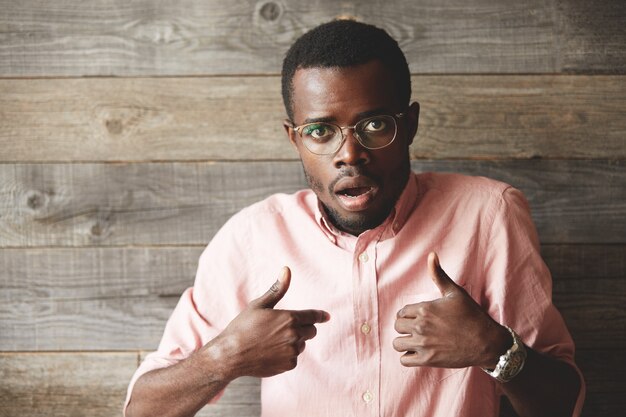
316, 175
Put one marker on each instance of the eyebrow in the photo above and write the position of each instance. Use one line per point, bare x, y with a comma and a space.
362, 115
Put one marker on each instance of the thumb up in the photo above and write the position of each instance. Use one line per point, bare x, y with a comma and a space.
444, 283
275, 293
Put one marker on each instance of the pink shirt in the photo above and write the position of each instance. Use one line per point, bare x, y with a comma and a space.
486, 241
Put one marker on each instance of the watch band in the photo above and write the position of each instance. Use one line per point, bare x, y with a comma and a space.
512, 362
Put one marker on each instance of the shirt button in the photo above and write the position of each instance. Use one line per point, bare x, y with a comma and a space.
368, 397
365, 328
363, 257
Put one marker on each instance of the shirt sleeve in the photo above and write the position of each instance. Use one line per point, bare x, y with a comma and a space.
220, 292
519, 284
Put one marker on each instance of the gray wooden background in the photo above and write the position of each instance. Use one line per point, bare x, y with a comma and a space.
130, 131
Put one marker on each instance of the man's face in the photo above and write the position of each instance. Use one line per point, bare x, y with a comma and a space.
358, 187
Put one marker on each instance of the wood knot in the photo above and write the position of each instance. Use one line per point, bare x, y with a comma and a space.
34, 201
114, 126
270, 11
37, 199
96, 229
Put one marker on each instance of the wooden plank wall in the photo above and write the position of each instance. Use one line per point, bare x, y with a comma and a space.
130, 131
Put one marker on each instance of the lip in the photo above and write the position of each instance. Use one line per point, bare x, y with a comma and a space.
360, 202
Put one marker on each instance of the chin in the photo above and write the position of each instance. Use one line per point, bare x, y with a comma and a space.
356, 223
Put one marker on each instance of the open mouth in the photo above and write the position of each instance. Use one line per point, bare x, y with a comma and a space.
355, 191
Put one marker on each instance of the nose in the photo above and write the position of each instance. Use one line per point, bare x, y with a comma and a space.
351, 152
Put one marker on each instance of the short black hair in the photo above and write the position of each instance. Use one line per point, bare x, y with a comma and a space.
345, 43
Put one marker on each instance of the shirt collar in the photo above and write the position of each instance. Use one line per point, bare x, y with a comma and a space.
390, 227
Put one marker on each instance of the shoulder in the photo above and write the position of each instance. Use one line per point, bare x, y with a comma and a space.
299, 204
471, 202
273, 213
452, 183
470, 190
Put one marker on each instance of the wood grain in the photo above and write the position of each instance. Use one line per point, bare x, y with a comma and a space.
250, 37
64, 384
185, 203
235, 118
90, 299
591, 38
195, 37
74, 384
120, 298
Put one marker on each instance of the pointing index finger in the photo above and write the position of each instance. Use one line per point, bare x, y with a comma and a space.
308, 317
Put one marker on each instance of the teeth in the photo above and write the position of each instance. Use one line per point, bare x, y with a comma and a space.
355, 192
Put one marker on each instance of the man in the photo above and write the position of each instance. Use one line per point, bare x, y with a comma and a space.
396, 335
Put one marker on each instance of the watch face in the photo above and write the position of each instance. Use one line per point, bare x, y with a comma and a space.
512, 362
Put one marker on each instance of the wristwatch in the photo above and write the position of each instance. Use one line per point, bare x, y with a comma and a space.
512, 362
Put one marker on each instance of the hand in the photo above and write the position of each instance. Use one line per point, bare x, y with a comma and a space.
450, 332
265, 342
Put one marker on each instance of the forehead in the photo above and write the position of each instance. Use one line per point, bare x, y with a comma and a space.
341, 94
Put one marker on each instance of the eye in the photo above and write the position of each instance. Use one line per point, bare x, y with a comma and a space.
375, 125
318, 131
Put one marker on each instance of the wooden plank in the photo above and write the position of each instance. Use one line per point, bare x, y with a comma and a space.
250, 37
64, 384
90, 299
589, 289
235, 118
120, 298
185, 203
74, 384
591, 36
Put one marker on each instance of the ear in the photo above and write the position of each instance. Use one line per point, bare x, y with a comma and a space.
413, 117
291, 134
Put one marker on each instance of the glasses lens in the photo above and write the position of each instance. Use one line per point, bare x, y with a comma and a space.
376, 132
320, 138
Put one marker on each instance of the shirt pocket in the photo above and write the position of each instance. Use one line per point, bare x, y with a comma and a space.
427, 374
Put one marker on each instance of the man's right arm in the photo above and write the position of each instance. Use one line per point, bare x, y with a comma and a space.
259, 342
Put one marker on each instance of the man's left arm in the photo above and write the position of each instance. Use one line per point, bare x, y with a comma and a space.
455, 332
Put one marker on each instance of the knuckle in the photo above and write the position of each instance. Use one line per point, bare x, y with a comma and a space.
396, 326
418, 327
427, 355
292, 336
423, 311
290, 320
396, 344
404, 360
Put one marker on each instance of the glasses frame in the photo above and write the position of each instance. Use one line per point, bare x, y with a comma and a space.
395, 118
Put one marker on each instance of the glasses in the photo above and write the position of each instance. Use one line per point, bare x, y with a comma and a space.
323, 138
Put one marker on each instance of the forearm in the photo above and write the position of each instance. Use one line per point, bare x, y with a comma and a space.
545, 387
180, 390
